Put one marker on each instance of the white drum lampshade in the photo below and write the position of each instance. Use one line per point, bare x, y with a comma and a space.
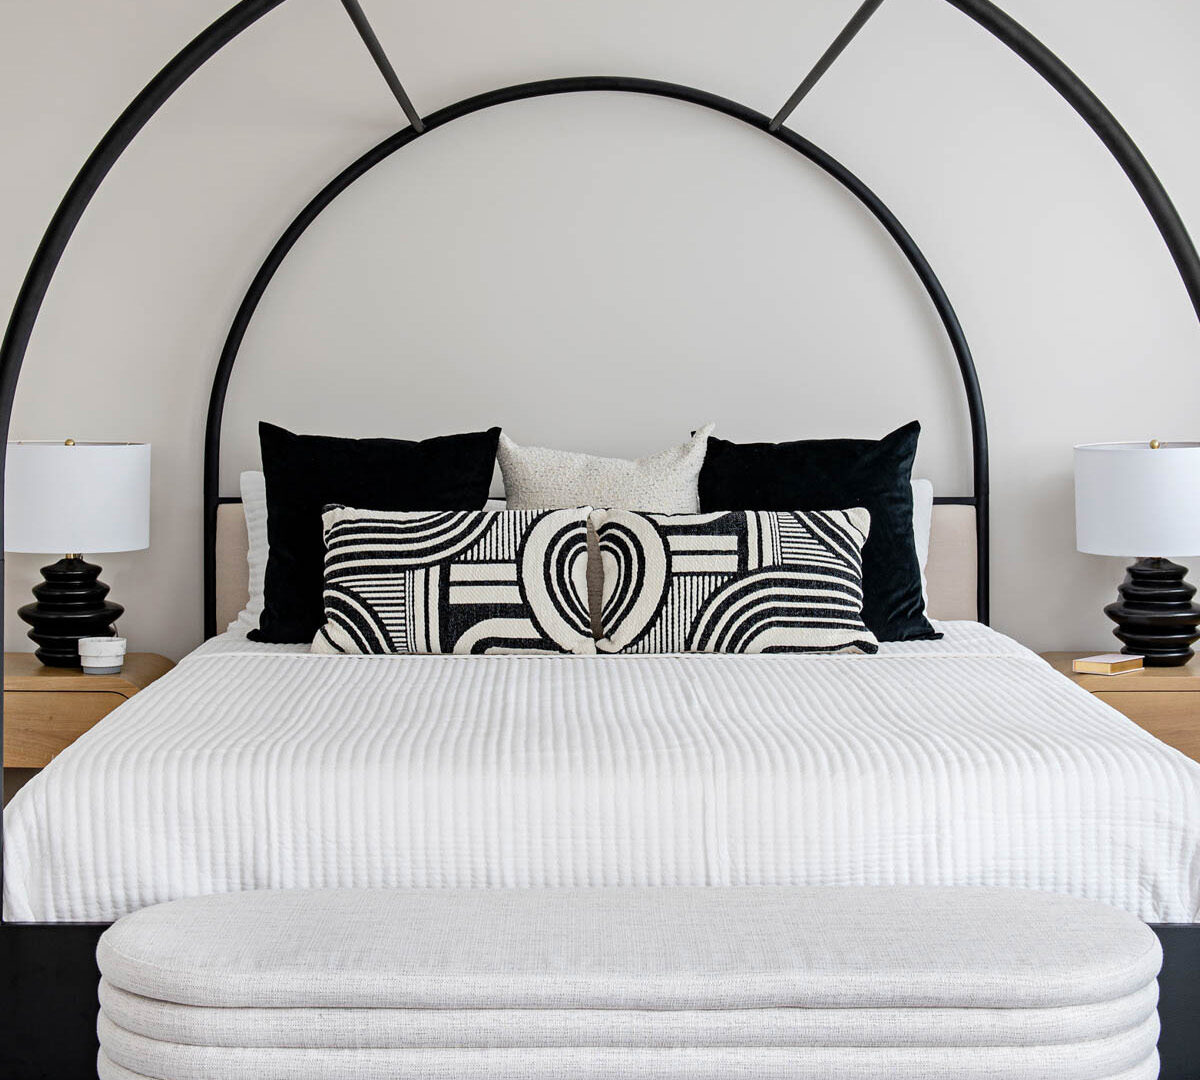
1131, 499
1143, 500
85, 498
70, 499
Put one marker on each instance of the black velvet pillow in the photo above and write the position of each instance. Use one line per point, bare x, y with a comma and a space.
837, 474
306, 472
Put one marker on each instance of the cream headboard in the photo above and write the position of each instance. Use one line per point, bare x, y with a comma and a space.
950, 575
233, 572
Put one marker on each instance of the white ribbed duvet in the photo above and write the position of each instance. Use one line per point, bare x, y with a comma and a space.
966, 761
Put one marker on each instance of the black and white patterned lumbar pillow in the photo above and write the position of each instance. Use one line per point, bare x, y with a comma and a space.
742, 581
455, 581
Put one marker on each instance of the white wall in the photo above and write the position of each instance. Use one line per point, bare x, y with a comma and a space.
705, 272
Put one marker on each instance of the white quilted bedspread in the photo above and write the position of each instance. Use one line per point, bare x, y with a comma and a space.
963, 762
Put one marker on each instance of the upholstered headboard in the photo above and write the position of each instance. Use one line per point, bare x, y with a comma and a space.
233, 572
950, 574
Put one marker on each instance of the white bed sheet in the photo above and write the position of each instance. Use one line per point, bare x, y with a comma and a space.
966, 761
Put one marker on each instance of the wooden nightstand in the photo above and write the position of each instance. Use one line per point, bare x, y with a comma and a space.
1165, 700
47, 708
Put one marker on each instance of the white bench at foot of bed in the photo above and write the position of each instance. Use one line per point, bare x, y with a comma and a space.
630, 984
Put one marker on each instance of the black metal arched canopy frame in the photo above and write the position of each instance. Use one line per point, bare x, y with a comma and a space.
524, 91
52, 965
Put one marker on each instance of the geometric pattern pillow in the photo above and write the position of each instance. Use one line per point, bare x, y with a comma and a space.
740, 581
455, 581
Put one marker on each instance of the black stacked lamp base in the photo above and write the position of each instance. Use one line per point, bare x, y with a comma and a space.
1155, 615
70, 605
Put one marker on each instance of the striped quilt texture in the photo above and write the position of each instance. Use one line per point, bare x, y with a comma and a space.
965, 761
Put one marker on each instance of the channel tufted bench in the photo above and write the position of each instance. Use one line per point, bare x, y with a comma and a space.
630, 984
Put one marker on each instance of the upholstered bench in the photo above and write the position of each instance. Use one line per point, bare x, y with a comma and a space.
625, 984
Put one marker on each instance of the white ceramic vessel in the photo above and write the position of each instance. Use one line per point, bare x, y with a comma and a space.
102, 655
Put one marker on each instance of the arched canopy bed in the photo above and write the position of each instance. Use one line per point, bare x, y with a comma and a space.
50, 965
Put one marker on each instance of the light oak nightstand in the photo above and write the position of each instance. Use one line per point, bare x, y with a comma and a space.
48, 708
1163, 700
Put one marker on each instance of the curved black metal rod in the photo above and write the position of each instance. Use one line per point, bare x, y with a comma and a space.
54, 241
1076, 93
89, 178
523, 91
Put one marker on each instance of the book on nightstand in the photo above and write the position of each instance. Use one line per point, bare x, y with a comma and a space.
1106, 664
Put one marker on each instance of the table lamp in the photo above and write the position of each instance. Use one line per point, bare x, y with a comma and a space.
74, 497
1134, 499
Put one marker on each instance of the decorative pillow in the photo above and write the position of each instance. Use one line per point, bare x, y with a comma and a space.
254, 506
922, 492
819, 474
536, 478
304, 473
740, 582
483, 581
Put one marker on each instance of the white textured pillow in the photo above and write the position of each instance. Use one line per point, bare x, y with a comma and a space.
537, 478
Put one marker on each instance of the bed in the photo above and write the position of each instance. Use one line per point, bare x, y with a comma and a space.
966, 760
962, 761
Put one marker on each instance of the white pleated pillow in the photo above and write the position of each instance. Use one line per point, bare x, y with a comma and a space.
254, 506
